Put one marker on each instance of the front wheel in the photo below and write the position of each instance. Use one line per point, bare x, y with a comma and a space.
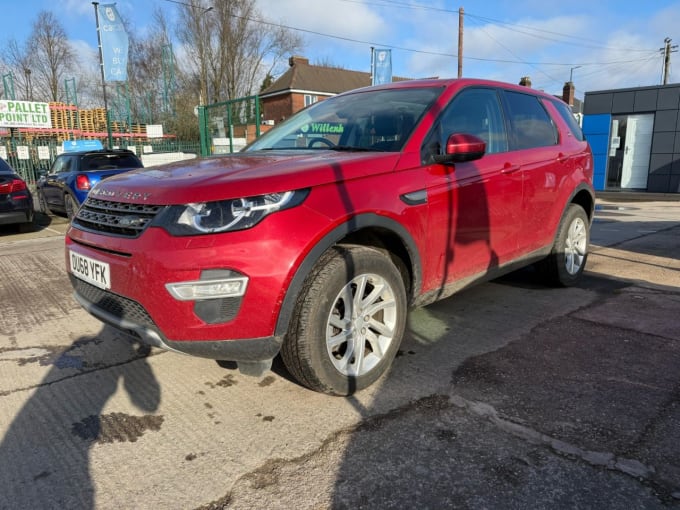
567, 260
348, 323
42, 203
70, 206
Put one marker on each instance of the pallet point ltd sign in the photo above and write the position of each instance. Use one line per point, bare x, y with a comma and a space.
26, 114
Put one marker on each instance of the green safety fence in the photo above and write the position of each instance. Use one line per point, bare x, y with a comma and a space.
229, 126
31, 157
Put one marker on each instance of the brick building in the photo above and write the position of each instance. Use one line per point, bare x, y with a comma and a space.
304, 84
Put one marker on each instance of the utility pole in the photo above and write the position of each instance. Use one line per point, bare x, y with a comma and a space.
667, 50
460, 42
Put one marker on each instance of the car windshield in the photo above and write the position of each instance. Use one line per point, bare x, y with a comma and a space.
370, 120
109, 162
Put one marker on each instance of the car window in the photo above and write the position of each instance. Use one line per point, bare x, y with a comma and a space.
4, 167
62, 165
568, 116
109, 162
531, 124
379, 120
477, 112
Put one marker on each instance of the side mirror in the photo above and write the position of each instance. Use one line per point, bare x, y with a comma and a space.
462, 147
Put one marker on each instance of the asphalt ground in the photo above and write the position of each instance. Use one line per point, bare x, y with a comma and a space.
507, 395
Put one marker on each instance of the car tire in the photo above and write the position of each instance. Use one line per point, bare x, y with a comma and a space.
28, 226
567, 260
320, 348
70, 206
42, 203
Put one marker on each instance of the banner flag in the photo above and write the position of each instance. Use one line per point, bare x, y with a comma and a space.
114, 41
382, 67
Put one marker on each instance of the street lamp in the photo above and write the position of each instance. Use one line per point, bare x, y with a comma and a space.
571, 73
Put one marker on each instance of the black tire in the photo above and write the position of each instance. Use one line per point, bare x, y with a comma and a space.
29, 226
42, 204
567, 260
322, 310
70, 206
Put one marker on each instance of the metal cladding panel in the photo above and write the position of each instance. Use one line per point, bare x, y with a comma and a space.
623, 102
645, 100
597, 103
663, 143
666, 120
668, 98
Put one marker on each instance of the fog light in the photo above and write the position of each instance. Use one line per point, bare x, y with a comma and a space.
208, 289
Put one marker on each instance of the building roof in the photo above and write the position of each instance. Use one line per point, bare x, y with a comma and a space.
310, 78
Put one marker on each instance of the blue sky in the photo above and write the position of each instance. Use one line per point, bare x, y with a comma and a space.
602, 44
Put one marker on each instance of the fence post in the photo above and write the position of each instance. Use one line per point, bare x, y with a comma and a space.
203, 130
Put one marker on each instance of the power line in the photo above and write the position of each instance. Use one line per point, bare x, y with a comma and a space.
572, 39
411, 50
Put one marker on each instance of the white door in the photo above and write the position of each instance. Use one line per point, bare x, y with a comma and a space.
636, 152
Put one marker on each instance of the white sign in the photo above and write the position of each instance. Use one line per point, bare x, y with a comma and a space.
154, 130
28, 114
22, 151
43, 152
147, 149
3, 152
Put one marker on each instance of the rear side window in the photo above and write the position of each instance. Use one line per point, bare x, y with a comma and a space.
531, 124
568, 116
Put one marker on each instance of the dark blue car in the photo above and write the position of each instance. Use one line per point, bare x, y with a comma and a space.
16, 202
73, 174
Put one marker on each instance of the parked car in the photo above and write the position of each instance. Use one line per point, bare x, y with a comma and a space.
73, 174
16, 201
315, 240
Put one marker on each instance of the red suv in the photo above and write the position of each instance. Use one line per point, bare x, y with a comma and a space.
314, 241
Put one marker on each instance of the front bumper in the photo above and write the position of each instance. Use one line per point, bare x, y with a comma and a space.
131, 318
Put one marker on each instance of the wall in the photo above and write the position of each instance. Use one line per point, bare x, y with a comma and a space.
664, 102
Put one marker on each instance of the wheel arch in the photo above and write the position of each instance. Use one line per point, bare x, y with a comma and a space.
365, 230
584, 197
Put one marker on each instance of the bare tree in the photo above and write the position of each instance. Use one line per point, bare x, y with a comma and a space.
51, 56
151, 71
16, 63
230, 47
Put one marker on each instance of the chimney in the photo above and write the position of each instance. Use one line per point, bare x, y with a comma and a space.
525, 81
568, 93
296, 59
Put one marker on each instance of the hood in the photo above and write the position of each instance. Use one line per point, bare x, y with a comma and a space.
241, 174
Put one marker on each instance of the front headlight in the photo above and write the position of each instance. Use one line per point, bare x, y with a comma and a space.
226, 215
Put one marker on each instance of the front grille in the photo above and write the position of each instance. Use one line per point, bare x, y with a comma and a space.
114, 304
118, 218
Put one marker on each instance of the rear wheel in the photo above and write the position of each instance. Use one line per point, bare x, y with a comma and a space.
28, 226
348, 323
566, 262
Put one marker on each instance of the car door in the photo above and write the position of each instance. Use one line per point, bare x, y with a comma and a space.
52, 186
545, 166
475, 206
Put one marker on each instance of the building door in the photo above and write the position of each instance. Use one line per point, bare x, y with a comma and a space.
630, 147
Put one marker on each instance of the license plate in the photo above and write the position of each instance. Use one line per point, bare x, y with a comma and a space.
91, 270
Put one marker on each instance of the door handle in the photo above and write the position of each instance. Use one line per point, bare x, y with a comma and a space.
509, 168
